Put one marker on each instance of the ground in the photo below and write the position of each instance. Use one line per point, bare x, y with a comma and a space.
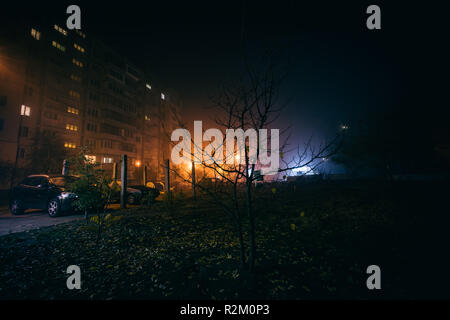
31, 220
314, 241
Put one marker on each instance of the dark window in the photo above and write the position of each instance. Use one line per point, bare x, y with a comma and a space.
2, 101
22, 153
51, 115
92, 112
92, 127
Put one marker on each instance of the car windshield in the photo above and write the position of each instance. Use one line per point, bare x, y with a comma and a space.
62, 181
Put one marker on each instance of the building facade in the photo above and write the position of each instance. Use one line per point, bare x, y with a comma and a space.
68, 85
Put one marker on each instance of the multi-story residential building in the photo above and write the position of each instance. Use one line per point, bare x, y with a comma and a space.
75, 87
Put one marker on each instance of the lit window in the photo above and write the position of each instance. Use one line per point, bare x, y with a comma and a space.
58, 46
107, 160
81, 34
163, 96
61, 30
77, 63
74, 94
35, 34
70, 145
71, 127
91, 159
25, 111
72, 110
149, 87
75, 78
78, 47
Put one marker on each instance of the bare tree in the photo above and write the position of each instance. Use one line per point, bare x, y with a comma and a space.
245, 110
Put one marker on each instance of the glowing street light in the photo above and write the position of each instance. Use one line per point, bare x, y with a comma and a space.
137, 163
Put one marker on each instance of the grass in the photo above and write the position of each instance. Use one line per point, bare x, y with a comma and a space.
314, 241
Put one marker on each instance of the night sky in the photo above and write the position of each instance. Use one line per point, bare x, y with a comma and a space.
339, 71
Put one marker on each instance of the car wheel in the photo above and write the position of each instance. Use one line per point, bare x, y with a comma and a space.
53, 208
16, 207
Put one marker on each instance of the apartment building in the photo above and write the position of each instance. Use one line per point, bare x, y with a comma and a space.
70, 85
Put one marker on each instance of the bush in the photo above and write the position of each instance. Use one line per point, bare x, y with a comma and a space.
92, 186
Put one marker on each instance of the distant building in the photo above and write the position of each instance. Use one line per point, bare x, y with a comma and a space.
71, 85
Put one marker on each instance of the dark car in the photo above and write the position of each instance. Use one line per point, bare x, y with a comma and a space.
134, 196
147, 191
43, 192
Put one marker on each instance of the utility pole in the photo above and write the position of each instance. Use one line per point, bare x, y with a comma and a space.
194, 195
123, 189
114, 173
167, 175
65, 169
144, 176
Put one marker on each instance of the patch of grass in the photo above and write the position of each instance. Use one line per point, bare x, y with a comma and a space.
314, 241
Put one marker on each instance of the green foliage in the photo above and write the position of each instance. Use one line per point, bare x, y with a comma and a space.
93, 186
107, 220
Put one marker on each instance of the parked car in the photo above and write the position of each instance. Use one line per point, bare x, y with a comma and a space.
134, 196
147, 191
160, 186
43, 192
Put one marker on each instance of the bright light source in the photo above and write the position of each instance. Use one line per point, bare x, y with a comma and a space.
91, 159
138, 163
163, 96
35, 34
344, 127
303, 170
25, 111
149, 87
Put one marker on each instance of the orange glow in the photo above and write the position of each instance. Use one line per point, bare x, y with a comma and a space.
138, 163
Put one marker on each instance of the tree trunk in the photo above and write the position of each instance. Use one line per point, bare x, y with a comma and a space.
243, 262
251, 220
237, 217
